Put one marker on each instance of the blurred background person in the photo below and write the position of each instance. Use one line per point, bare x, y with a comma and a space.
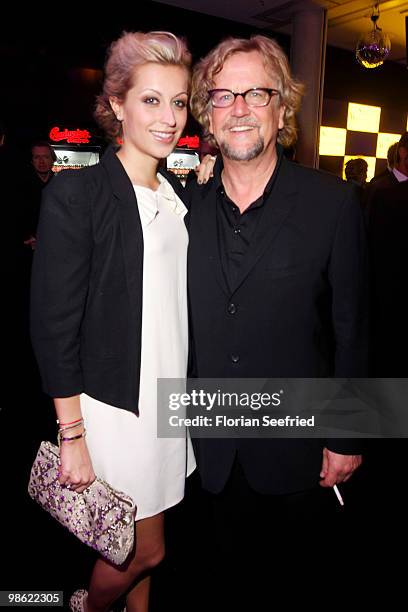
42, 161
390, 163
397, 172
387, 227
356, 171
400, 169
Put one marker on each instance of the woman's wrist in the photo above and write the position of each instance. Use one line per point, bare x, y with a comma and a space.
68, 411
71, 431
70, 438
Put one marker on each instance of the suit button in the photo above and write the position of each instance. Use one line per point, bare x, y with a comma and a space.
232, 309
234, 358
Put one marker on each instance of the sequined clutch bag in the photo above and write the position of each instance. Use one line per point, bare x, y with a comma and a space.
101, 517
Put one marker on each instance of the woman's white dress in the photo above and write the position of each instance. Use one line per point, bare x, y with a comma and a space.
124, 448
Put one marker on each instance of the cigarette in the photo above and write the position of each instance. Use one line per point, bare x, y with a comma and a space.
338, 495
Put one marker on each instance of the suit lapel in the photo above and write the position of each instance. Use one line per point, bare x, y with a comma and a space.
276, 209
130, 224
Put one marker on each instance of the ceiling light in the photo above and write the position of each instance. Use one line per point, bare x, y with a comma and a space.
374, 46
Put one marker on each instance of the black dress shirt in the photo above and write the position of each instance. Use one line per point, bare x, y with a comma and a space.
236, 229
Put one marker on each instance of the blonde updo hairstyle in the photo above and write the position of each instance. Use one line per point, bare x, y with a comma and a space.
131, 50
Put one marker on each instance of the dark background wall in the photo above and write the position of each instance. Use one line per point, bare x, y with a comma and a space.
50, 66
42, 72
345, 79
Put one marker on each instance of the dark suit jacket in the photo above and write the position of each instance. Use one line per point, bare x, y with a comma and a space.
384, 181
389, 263
32, 188
300, 310
86, 298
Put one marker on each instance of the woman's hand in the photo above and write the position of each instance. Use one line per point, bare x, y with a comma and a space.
76, 471
205, 170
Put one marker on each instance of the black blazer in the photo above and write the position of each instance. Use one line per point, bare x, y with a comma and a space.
299, 310
87, 279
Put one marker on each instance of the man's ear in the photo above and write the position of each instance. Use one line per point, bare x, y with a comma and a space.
116, 106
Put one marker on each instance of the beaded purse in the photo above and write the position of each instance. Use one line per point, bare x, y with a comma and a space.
101, 517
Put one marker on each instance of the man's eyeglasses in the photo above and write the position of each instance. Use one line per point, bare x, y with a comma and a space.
256, 96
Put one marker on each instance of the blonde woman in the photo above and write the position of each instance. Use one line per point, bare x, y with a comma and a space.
109, 304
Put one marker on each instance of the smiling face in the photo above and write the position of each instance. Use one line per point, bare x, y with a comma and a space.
154, 111
245, 132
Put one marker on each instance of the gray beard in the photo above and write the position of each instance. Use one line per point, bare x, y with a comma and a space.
242, 155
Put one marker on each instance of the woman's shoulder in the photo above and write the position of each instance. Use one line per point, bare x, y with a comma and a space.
71, 179
74, 185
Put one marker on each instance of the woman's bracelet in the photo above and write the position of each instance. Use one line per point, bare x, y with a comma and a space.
70, 423
66, 439
68, 427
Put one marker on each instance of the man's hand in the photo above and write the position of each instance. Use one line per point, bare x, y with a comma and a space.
204, 170
337, 468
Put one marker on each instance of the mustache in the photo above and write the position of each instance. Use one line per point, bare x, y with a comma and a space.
247, 122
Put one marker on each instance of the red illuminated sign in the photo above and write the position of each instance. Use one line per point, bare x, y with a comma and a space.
71, 136
192, 142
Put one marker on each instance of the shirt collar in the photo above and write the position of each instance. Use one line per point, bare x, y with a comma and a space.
148, 205
168, 193
399, 176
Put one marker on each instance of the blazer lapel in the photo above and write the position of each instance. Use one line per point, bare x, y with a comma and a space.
276, 209
131, 227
